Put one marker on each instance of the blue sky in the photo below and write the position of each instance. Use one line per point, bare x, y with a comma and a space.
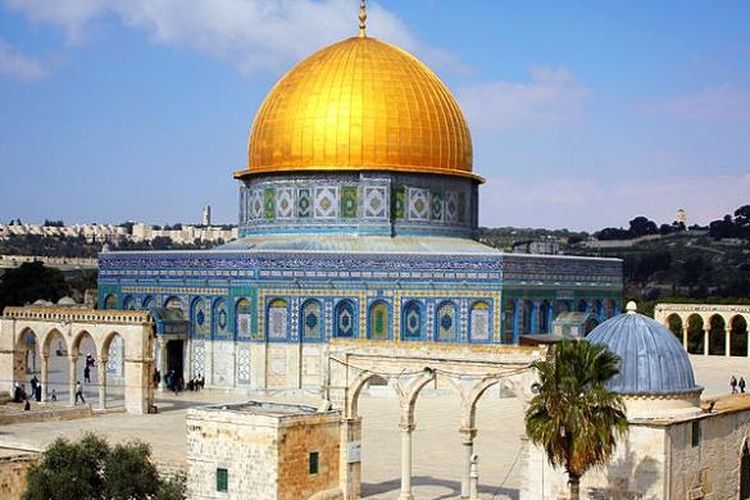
583, 113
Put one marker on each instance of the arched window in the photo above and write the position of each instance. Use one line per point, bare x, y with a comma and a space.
446, 323
220, 315
411, 321
110, 301
149, 303
311, 320
509, 312
345, 320
199, 318
479, 322
129, 303
175, 304
243, 317
278, 320
378, 321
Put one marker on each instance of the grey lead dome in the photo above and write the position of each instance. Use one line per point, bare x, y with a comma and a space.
652, 360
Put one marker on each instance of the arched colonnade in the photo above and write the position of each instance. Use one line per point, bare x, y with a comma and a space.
72, 334
469, 370
708, 329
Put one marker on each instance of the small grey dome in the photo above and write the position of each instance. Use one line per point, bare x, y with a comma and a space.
652, 360
66, 301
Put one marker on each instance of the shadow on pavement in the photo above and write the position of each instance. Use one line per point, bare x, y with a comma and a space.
392, 487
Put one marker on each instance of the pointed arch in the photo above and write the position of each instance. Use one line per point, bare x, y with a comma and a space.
674, 323
200, 325
149, 302
695, 334
379, 321
480, 322
412, 321
129, 303
738, 336
345, 319
717, 335
277, 320
312, 321
110, 301
220, 325
243, 316
446, 322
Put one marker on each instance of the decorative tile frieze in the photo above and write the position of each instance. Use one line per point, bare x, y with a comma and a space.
326, 202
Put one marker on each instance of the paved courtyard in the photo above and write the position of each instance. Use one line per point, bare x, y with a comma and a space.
437, 447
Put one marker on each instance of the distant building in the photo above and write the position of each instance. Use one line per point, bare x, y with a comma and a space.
207, 215
544, 247
681, 217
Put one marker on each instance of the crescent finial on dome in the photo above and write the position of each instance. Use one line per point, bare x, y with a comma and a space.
362, 18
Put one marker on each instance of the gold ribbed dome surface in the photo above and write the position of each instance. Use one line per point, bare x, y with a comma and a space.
360, 104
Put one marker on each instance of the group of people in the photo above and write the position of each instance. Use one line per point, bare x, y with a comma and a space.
735, 385
176, 383
21, 396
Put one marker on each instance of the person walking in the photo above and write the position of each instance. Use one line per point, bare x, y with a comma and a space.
741, 385
79, 393
733, 384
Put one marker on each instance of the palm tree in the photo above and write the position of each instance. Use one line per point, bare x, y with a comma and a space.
573, 415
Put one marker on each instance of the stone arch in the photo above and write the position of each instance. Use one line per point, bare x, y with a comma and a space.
149, 302
55, 350
29, 348
446, 322
355, 389
312, 321
75, 346
378, 321
717, 335
277, 320
480, 322
129, 303
695, 334
110, 301
345, 319
674, 323
60, 347
113, 353
738, 336
412, 320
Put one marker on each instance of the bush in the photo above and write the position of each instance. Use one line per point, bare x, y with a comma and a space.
91, 469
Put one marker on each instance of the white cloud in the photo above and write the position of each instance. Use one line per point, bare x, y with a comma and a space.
723, 104
552, 98
249, 33
592, 204
18, 66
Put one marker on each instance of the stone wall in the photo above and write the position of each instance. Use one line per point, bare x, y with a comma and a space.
265, 449
13, 474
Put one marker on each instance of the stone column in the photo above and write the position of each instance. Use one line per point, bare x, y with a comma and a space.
162, 343
706, 338
474, 478
685, 336
467, 439
727, 342
102, 368
407, 427
45, 375
350, 465
72, 378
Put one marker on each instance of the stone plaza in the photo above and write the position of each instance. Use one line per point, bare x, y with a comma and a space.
437, 453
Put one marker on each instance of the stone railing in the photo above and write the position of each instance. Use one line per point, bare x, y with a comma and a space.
75, 315
667, 308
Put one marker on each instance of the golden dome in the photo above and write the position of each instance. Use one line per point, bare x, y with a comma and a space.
360, 104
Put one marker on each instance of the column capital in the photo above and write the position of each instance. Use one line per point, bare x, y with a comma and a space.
467, 434
407, 426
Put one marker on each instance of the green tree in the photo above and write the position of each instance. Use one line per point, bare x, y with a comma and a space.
573, 415
32, 281
91, 469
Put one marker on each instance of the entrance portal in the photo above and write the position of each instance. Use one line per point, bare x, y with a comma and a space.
175, 350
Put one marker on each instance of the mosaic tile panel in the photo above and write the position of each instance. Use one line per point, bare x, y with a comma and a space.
437, 206
243, 365
244, 319
480, 322
446, 322
198, 357
412, 320
285, 203
326, 203
375, 203
451, 207
304, 203
378, 320
348, 202
221, 319
269, 203
418, 204
200, 319
256, 204
312, 320
346, 320
399, 203
278, 320
461, 207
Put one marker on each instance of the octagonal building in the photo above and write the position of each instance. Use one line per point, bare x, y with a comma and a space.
358, 216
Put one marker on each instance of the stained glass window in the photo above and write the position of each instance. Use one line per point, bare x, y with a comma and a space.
411, 320
278, 315
311, 320
480, 322
200, 323
221, 319
345, 320
446, 324
244, 318
378, 320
